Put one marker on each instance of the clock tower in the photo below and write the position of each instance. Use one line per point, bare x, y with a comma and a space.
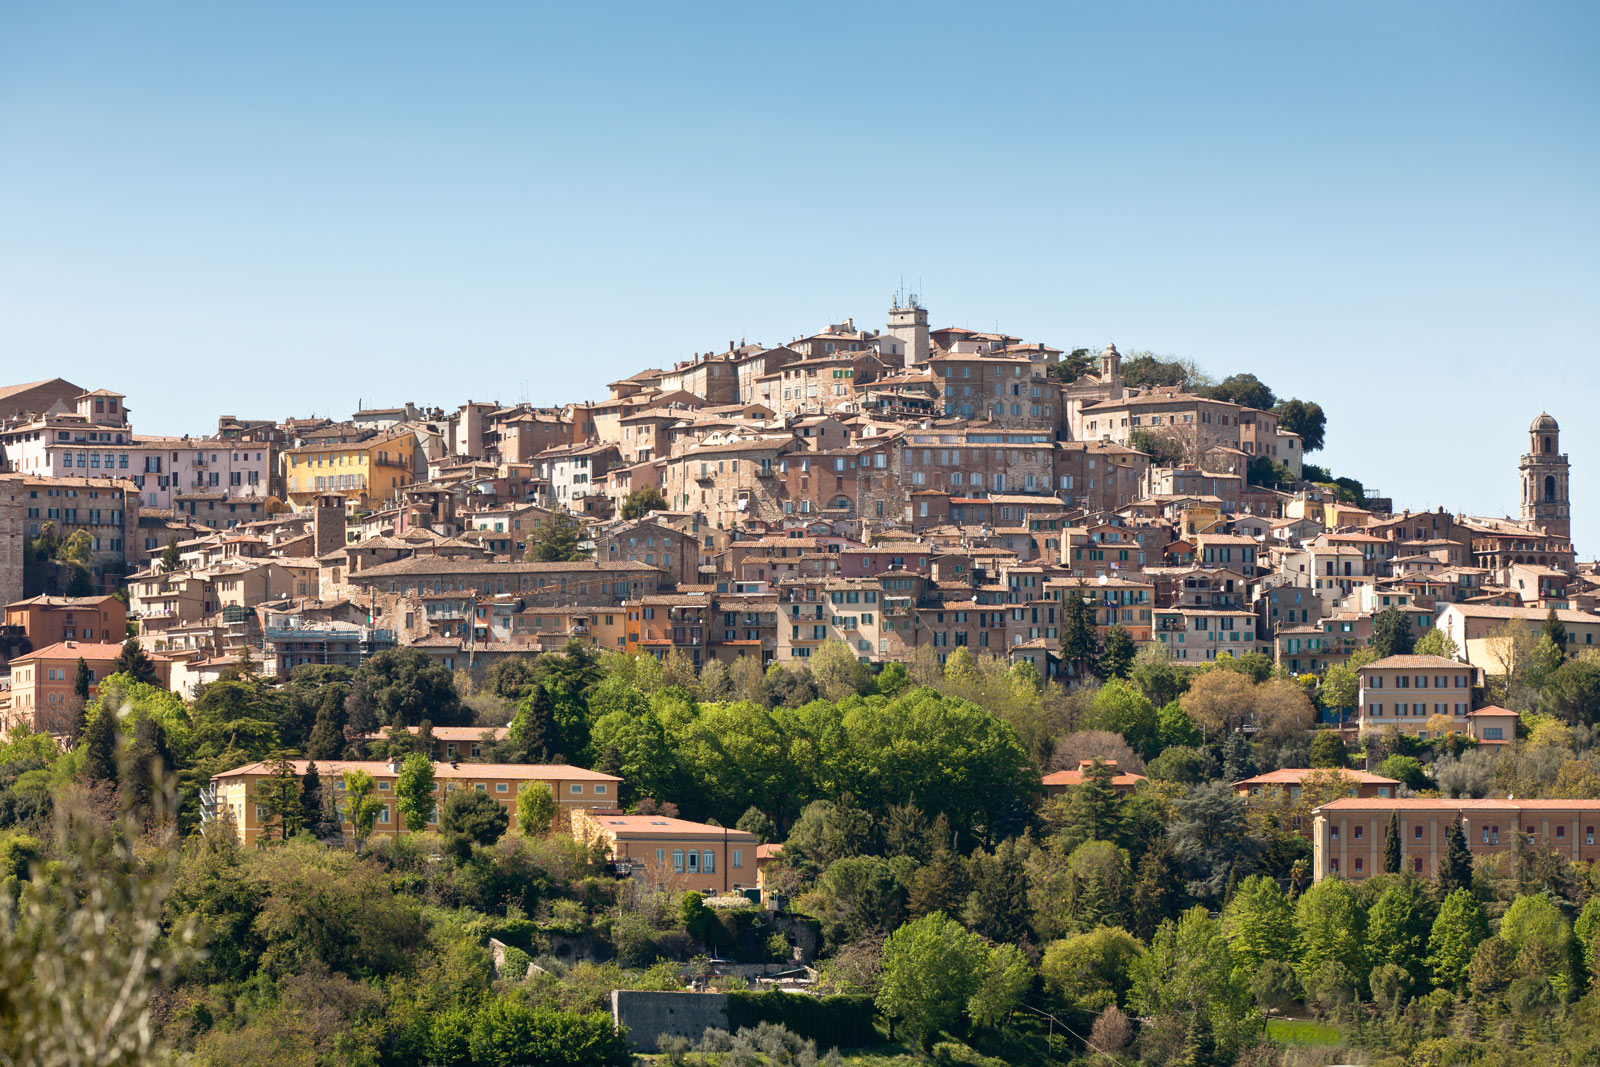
1545, 473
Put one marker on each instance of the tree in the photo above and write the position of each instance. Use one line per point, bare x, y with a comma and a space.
1238, 762
998, 905
1391, 844
1007, 976
931, 969
414, 792
1266, 472
1327, 750
642, 502
755, 821
1197, 1000
1089, 812
1245, 389
403, 687
1398, 928
555, 540
1116, 653
1120, 707
1080, 644
1572, 690
1455, 868
313, 805
81, 681
361, 804
1157, 889
169, 556
1281, 710
133, 662
327, 732
536, 810
1331, 928
1435, 642
1092, 970
1541, 937
839, 672
1210, 835
533, 729
1304, 418
471, 817
1391, 634
100, 747
1157, 678
1164, 449
1555, 630
1458, 930
279, 794
1219, 700
1259, 923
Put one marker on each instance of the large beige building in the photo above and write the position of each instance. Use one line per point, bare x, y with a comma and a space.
1348, 834
670, 852
237, 793
1409, 692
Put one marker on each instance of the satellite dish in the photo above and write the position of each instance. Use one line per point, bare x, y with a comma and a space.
1102, 579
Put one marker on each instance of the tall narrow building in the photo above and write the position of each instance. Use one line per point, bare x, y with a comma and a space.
1545, 474
908, 324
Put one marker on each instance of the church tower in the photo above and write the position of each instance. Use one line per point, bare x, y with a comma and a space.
1544, 480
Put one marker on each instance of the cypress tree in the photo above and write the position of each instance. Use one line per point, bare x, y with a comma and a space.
1556, 631
132, 661
100, 745
534, 728
1080, 645
81, 681
327, 734
1455, 869
311, 808
1391, 845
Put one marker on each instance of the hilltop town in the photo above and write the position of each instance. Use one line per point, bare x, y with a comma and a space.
871, 631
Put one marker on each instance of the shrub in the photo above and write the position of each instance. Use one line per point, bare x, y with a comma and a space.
845, 1021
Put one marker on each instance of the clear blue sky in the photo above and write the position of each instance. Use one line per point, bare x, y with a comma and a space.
266, 210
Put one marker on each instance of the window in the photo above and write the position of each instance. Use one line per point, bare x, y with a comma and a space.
738, 858
677, 859
1416, 864
708, 862
694, 861
577, 788
1416, 833
600, 789
1358, 864
1358, 832
501, 787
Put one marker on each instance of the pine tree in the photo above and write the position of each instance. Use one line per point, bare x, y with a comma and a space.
100, 748
1455, 869
1556, 631
311, 802
1080, 646
533, 730
1238, 761
1116, 657
133, 662
1391, 845
1157, 890
555, 540
148, 762
279, 793
1391, 633
327, 734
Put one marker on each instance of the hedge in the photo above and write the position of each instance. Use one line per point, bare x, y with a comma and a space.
832, 1022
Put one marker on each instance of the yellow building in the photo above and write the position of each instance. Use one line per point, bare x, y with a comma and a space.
238, 796
366, 473
673, 852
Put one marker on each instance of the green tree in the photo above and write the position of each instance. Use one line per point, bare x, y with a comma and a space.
1164, 449
100, 747
403, 687
1211, 836
1120, 707
1331, 928
1391, 634
313, 804
327, 732
414, 792
1435, 642
361, 804
755, 821
1198, 1003
1264, 471
1157, 889
1455, 868
536, 810
279, 794
1116, 652
1304, 418
1091, 810
1555, 630
1539, 934
642, 502
1092, 970
839, 672
81, 681
511, 1033
555, 540
1327, 750
1259, 923
1007, 977
1245, 389
1391, 844
133, 662
1457, 932
533, 729
169, 556
1080, 645
469, 817
931, 969
1398, 928
1238, 761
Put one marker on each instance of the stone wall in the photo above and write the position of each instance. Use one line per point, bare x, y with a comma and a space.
649, 1015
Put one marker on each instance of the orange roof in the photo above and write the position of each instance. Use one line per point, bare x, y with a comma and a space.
379, 769
1440, 803
662, 826
88, 650
1076, 778
1295, 775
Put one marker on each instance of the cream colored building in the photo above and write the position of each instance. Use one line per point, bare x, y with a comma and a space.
676, 853
237, 792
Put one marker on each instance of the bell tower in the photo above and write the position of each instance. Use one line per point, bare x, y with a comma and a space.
1545, 475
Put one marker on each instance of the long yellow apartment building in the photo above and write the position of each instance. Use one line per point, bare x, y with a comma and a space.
237, 793
366, 473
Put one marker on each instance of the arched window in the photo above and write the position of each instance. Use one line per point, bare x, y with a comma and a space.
1550, 488
1547, 447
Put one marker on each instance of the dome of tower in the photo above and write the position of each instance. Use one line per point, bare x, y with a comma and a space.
1542, 423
